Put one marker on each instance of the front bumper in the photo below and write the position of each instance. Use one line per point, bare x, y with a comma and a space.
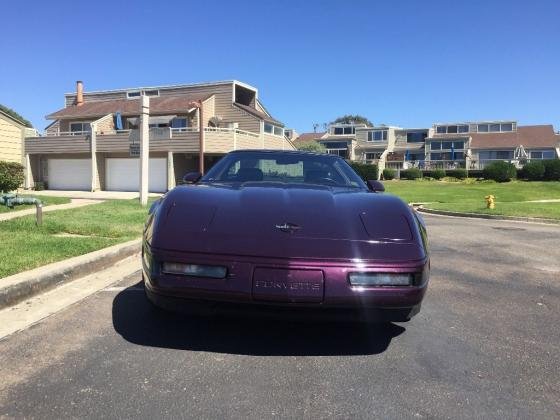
237, 291
201, 307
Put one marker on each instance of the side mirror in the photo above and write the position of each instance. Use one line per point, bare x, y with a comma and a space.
192, 177
375, 186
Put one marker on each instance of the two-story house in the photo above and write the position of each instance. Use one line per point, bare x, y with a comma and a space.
475, 144
92, 143
340, 139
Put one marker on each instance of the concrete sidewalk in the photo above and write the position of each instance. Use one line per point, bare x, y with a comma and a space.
96, 195
75, 203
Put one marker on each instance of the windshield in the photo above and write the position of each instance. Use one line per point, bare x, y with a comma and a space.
293, 168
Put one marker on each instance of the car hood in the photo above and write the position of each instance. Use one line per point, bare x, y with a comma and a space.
287, 222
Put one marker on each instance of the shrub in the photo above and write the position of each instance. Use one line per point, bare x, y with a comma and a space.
40, 186
389, 173
533, 171
500, 171
11, 176
438, 173
475, 173
459, 173
412, 173
365, 170
313, 147
552, 170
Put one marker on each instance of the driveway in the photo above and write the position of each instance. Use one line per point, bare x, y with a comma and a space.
485, 345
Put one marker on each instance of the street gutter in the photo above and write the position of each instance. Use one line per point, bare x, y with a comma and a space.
488, 216
21, 286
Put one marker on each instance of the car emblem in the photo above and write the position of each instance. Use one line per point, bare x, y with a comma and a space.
288, 227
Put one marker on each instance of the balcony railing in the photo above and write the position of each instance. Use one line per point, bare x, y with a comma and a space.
442, 164
66, 133
180, 140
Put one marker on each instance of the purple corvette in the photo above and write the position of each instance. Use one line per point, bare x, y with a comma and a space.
285, 233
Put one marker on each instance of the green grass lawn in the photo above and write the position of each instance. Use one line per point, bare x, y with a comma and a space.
511, 197
47, 201
24, 246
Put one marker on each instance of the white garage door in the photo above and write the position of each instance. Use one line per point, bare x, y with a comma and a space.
123, 174
69, 174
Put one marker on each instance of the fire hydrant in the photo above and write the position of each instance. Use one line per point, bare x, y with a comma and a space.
490, 201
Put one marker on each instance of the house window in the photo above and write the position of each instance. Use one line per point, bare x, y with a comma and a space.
452, 129
137, 93
374, 155
542, 154
179, 123
458, 144
273, 129
495, 128
416, 136
339, 131
268, 128
435, 145
415, 156
507, 127
447, 156
495, 154
336, 145
78, 128
154, 92
446, 145
377, 135
343, 153
504, 154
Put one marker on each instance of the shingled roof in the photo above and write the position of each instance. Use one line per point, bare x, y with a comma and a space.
530, 136
127, 107
308, 137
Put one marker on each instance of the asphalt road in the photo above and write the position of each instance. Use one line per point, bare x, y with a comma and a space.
485, 345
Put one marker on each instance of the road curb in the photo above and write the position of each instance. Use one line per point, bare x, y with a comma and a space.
488, 216
21, 286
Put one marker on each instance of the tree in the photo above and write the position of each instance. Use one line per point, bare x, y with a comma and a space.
15, 115
313, 146
353, 119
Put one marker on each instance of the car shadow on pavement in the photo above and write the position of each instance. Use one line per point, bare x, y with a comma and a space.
138, 322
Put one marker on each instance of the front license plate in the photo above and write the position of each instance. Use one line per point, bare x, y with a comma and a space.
284, 285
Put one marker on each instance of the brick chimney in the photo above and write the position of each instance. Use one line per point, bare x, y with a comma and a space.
79, 93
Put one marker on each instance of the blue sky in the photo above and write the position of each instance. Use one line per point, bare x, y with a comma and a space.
407, 63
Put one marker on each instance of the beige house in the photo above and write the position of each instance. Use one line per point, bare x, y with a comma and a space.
92, 143
12, 135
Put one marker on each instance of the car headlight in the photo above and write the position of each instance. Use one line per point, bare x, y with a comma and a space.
381, 279
194, 270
